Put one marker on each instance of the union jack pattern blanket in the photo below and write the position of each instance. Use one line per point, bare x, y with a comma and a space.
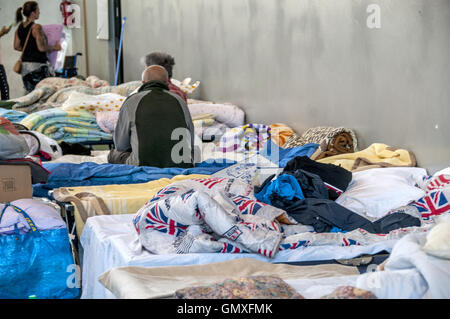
214, 215
221, 215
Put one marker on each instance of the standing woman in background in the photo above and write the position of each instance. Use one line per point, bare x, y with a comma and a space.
4, 87
35, 65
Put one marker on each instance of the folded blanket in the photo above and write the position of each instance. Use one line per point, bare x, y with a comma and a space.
67, 126
230, 115
342, 143
376, 155
112, 199
332, 141
12, 115
203, 120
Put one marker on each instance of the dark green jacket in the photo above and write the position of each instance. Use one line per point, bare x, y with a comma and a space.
156, 126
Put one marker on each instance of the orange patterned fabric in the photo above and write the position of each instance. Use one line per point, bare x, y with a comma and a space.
280, 133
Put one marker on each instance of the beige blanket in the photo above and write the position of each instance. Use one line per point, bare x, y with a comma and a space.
112, 199
375, 156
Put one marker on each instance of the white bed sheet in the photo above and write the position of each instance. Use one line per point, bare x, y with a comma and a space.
111, 241
409, 273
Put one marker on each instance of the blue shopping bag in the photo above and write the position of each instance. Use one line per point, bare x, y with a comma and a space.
36, 264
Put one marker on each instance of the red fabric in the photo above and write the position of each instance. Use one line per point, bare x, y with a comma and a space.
175, 89
7, 125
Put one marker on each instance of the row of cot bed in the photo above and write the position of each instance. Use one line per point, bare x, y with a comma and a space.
311, 212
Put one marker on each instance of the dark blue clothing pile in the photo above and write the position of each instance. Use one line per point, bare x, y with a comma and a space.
317, 208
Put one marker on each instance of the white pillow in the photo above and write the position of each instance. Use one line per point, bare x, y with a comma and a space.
374, 192
438, 239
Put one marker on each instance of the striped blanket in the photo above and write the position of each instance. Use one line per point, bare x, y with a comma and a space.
66, 126
112, 199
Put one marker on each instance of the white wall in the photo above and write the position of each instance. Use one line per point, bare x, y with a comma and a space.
310, 63
98, 50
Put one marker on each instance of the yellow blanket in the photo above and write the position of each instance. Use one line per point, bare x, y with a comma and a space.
376, 155
90, 201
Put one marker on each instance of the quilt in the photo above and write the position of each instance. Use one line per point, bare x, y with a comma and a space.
66, 126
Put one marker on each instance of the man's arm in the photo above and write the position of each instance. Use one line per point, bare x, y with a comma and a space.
41, 40
122, 132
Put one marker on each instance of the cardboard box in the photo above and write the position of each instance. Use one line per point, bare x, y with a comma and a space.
15, 183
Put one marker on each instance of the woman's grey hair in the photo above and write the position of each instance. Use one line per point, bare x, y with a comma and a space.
160, 58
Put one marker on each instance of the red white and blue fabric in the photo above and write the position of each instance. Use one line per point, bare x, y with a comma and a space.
209, 182
438, 182
300, 243
230, 249
434, 203
169, 190
155, 219
246, 205
436, 200
178, 218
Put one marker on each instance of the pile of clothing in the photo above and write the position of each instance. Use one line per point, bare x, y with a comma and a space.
307, 191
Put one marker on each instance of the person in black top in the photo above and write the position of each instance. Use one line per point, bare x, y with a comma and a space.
4, 87
35, 66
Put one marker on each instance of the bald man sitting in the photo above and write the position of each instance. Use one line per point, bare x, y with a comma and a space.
154, 126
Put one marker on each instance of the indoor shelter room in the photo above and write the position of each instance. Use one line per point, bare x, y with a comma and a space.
212, 149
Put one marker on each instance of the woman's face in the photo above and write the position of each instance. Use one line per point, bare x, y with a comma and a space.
36, 13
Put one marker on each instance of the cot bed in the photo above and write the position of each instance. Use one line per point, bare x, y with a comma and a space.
412, 271
111, 241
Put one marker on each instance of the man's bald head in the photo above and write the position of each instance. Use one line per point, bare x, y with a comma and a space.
155, 73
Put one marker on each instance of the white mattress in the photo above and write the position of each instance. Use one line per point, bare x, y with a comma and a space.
111, 241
